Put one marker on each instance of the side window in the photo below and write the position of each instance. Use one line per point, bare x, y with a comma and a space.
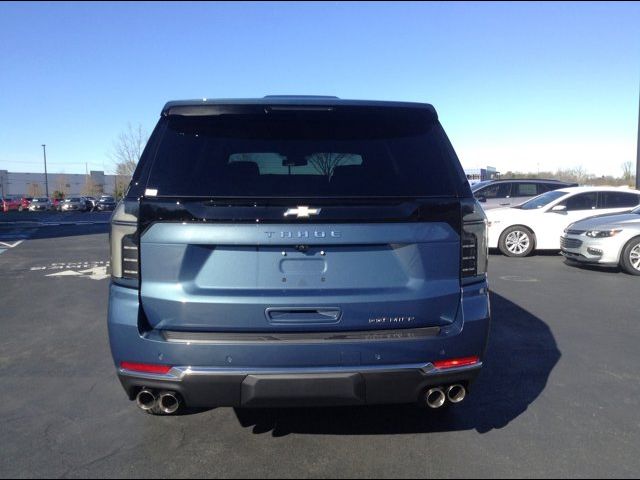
499, 190
619, 200
548, 187
525, 190
581, 201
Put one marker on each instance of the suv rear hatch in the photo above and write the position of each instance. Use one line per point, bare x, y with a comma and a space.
259, 219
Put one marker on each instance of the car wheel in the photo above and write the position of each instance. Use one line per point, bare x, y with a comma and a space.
516, 241
630, 260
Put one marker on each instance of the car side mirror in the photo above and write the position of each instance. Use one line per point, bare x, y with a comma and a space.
559, 209
482, 199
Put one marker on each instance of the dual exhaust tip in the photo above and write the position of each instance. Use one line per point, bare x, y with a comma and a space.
162, 402
437, 396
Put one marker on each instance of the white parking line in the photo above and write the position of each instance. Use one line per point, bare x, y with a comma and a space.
11, 245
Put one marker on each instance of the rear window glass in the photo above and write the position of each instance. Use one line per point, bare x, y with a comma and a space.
389, 152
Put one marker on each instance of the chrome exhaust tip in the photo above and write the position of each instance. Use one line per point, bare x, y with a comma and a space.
146, 399
456, 393
168, 402
435, 397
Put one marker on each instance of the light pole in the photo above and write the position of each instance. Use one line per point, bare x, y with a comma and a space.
46, 179
638, 150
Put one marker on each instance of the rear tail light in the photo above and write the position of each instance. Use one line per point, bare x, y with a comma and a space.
456, 362
145, 367
474, 253
125, 258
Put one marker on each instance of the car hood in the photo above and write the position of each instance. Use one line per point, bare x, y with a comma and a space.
600, 221
495, 214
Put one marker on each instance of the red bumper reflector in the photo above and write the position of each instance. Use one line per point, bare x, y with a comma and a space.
456, 362
145, 367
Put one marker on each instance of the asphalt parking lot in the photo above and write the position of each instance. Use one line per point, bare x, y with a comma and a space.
558, 396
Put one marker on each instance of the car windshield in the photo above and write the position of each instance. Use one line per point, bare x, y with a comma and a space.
541, 200
73, 200
477, 186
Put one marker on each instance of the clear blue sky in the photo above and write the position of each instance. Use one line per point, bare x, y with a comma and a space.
517, 85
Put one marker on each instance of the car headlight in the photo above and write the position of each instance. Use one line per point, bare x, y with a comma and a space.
603, 233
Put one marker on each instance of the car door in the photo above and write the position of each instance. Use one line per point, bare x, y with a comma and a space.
494, 196
560, 215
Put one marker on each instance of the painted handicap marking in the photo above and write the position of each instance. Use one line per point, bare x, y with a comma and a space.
95, 273
94, 270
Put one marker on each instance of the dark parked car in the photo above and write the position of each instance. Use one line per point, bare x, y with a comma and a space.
91, 203
298, 251
106, 204
507, 193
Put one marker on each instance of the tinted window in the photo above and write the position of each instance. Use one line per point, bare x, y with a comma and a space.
369, 152
542, 200
498, 190
581, 201
619, 200
525, 190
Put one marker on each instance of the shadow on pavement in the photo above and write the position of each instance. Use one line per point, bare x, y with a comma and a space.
594, 267
521, 354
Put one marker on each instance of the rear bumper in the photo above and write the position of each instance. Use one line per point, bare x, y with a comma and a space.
349, 371
203, 387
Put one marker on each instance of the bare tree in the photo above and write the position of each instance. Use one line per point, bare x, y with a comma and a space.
120, 187
580, 174
127, 149
325, 163
627, 170
62, 185
91, 189
34, 190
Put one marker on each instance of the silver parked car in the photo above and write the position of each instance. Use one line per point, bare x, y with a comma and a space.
73, 204
39, 204
605, 240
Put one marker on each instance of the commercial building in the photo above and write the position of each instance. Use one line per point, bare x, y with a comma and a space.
475, 175
33, 184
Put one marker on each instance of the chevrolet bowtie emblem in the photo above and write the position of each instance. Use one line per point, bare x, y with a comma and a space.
302, 212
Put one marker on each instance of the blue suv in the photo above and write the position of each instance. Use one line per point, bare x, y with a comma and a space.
297, 251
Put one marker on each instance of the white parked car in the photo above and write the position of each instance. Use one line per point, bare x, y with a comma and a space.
539, 223
609, 240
